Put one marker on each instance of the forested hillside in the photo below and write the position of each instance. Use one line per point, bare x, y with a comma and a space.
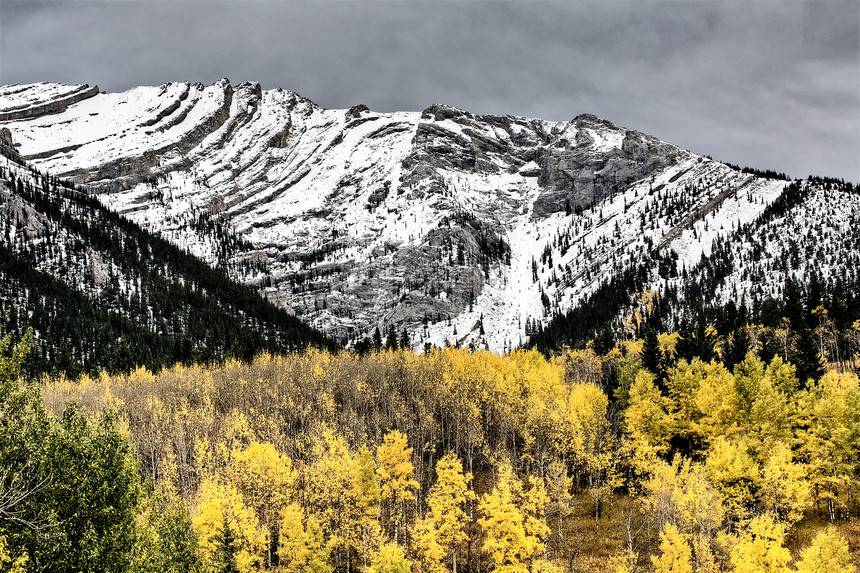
620, 457
799, 258
100, 292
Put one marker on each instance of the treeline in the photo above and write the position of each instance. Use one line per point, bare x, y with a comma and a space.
766, 173
466, 461
102, 293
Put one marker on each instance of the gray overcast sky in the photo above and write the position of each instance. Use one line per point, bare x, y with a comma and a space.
769, 84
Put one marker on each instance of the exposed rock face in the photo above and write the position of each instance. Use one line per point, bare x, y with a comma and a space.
54, 105
357, 220
6, 137
23, 218
583, 172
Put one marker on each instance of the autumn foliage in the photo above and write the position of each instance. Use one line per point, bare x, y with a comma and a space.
468, 461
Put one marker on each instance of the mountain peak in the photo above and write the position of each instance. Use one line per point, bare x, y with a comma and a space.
430, 222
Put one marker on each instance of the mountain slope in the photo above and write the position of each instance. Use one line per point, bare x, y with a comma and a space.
85, 278
458, 228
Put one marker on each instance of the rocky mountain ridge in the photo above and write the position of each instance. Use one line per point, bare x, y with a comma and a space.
455, 227
102, 293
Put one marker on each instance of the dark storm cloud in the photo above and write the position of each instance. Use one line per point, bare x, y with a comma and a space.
771, 84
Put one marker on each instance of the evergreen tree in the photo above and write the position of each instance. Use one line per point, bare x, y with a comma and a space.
706, 341
66, 364
814, 296
182, 351
770, 312
768, 346
736, 348
243, 348
727, 318
363, 346
166, 539
685, 348
604, 342
75, 479
227, 545
121, 361
792, 304
806, 358
653, 358
391, 339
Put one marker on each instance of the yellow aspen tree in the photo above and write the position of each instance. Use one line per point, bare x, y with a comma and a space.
735, 474
675, 555
439, 534
329, 492
770, 416
784, 488
700, 507
235, 432
427, 546
502, 524
151, 424
564, 426
680, 493
202, 462
559, 484
265, 479
829, 437
390, 559
169, 483
595, 450
395, 477
828, 553
761, 410
683, 384
716, 401
219, 501
533, 502
703, 555
466, 391
623, 562
581, 366
759, 548
748, 375
542, 387
646, 418
505, 392
545, 566
365, 533
782, 376
301, 547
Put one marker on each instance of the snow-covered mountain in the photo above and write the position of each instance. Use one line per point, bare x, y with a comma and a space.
99, 292
456, 227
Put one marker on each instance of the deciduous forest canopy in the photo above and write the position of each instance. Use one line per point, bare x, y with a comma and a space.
633, 455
